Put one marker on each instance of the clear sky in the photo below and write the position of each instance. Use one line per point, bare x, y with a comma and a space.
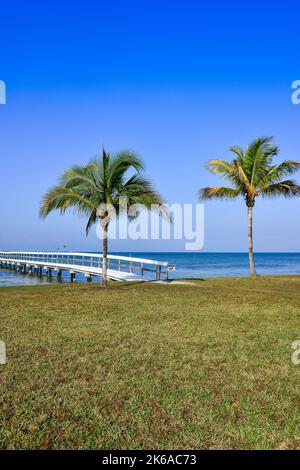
177, 81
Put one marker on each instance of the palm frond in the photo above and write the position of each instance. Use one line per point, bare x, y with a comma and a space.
61, 198
287, 188
225, 170
258, 157
121, 162
127, 158
91, 221
238, 151
220, 167
246, 186
221, 192
78, 175
278, 172
139, 190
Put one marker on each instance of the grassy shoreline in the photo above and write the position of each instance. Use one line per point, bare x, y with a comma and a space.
151, 365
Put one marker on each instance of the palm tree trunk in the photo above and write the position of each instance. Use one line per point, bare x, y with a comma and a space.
250, 243
104, 265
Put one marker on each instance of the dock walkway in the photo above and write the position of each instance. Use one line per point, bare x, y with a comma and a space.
119, 268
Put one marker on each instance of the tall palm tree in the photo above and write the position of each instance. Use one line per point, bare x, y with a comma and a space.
103, 183
252, 174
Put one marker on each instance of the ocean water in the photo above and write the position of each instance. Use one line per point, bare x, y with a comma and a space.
188, 265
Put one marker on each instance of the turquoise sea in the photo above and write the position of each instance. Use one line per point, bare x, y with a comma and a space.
191, 265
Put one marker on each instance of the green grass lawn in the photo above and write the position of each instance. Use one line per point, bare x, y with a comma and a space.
151, 366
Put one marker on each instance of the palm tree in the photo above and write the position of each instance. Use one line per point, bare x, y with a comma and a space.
252, 174
102, 184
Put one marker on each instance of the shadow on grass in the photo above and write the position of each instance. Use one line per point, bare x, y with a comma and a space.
116, 284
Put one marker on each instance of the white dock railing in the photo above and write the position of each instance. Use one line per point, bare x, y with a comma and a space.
91, 264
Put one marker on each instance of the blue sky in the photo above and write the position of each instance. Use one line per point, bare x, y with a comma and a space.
179, 82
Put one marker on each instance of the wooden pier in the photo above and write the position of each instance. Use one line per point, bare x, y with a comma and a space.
119, 268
